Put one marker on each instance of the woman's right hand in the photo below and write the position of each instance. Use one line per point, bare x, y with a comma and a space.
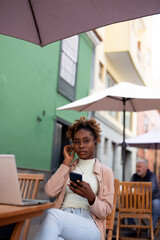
69, 154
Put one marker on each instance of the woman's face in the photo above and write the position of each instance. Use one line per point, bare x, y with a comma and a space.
84, 144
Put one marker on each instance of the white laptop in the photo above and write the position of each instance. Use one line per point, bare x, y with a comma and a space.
9, 185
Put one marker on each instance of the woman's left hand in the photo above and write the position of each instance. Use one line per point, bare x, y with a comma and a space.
83, 189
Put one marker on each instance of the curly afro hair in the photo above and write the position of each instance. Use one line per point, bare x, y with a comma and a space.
87, 124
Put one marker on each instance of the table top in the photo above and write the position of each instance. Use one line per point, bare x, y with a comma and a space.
10, 213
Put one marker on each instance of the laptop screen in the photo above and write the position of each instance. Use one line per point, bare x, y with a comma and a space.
9, 185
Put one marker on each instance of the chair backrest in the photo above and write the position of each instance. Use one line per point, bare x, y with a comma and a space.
29, 184
135, 197
111, 217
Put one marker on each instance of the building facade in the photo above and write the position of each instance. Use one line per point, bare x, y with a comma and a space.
124, 55
35, 81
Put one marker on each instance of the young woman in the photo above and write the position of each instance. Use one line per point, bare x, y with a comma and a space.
80, 208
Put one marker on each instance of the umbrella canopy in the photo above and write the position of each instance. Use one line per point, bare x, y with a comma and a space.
149, 140
43, 22
136, 98
121, 97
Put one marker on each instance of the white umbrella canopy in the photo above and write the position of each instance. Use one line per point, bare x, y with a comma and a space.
46, 21
137, 98
149, 140
121, 97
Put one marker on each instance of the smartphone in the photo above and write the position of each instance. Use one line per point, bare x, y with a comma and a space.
75, 176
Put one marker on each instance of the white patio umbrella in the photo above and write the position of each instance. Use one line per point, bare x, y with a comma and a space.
121, 97
149, 140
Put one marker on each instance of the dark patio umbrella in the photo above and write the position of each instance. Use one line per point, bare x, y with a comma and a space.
121, 97
149, 140
46, 21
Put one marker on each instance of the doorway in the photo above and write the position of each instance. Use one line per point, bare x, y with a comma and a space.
59, 141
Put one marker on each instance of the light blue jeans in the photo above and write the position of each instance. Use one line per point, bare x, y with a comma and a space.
68, 224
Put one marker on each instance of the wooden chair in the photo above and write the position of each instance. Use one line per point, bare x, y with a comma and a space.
135, 201
29, 186
158, 227
111, 217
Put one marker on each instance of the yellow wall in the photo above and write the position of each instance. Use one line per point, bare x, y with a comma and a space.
124, 37
117, 37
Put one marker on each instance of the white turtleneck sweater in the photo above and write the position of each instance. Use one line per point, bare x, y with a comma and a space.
72, 200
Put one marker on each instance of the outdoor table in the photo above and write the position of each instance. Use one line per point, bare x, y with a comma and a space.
18, 214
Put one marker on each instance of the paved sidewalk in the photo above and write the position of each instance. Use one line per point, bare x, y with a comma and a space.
132, 233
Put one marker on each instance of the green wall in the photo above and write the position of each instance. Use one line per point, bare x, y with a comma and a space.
29, 98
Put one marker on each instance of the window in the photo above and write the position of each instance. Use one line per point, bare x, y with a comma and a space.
101, 71
68, 67
128, 119
113, 152
105, 146
60, 140
139, 54
139, 46
110, 82
139, 50
145, 124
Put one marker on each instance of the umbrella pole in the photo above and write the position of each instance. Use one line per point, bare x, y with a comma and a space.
123, 143
155, 159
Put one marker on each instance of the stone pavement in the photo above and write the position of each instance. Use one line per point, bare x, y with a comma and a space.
132, 233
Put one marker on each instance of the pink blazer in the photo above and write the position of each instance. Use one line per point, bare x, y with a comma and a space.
102, 206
